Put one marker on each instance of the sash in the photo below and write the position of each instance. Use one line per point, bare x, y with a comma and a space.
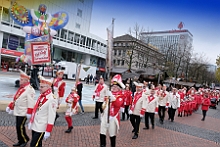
150, 98
57, 80
40, 101
136, 98
18, 93
98, 89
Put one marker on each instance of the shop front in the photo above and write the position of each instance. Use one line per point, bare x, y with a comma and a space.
8, 60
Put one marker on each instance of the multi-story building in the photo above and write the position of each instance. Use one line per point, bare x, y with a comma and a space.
165, 40
72, 43
130, 53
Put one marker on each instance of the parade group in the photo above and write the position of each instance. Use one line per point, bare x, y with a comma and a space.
111, 101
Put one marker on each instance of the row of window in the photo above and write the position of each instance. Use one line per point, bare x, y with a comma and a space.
118, 62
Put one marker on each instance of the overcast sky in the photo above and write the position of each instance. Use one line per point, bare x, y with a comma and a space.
200, 17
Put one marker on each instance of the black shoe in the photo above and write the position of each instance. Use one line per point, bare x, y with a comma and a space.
202, 119
135, 136
133, 131
17, 144
69, 130
95, 118
23, 144
168, 118
146, 128
171, 120
153, 127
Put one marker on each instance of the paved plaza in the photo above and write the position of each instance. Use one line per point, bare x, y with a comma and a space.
183, 132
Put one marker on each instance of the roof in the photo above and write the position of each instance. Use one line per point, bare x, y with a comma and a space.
130, 75
179, 82
148, 71
119, 70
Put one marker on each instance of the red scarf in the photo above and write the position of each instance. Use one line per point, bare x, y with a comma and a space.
98, 89
136, 98
57, 80
19, 92
42, 99
150, 98
164, 94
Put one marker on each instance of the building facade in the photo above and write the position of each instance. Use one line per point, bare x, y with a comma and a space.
73, 43
164, 40
130, 53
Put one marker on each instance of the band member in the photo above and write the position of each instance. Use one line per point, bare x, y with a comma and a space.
205, 105
22, 107
100, 93
163, 103
136, 108
59, 88
79, 92
43, 115
149, 107
174, 103
127, 101
71, 101
111, 112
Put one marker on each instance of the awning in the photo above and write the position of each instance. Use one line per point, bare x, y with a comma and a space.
11, 53
130, 75
185, 83
119, 70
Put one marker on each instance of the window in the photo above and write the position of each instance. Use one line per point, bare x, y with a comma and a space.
71, 35
118, 62
77, 26
88, 43
123, 54
115, 52
63, 34
122, 62
119, 52
136, 64
76, 39
114, 62
79, 12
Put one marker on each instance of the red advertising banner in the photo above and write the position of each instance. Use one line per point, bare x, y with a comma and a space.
40, 52
11, 52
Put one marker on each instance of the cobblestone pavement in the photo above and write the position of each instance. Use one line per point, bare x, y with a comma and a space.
184, 131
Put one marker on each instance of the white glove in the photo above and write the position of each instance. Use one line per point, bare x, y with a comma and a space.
29, 126
28, 116
156, 112
130, 112
122, 109
112, 98
11, 112
166, 107
7, 109
110, 117
141, 115
46, 135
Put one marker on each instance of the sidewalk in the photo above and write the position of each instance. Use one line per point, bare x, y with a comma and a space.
183, 132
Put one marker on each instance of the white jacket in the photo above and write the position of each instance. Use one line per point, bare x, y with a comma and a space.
24, 101
163, 98
174, 101
45, 116
103, 93
150, 106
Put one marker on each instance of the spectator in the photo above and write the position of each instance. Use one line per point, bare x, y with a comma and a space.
79, 92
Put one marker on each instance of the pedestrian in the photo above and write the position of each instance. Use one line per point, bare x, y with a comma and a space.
91, 78
22, 107
87, 79
163, 103
71, 100
174, 103
110, 120
59, 89
205, 105
127, 101
149, 107
79, 92
135, 109
43, 115
99, 95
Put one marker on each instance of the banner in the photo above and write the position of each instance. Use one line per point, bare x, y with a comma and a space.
40, 52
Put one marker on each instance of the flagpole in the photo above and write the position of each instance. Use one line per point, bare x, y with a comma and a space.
110, 46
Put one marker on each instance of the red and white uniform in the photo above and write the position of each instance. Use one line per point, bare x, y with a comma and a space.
116, 106
44, 112
100, 92
59, 89
128, 97
23, 101
150, 104
72, 101
137, 103
205, 104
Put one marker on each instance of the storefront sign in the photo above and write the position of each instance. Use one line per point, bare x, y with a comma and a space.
40, 52
102, 69
11, 52
13, 42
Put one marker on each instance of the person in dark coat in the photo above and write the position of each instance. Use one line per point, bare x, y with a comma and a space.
79, 92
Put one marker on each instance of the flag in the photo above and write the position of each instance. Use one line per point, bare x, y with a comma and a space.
180, 26
109, 48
